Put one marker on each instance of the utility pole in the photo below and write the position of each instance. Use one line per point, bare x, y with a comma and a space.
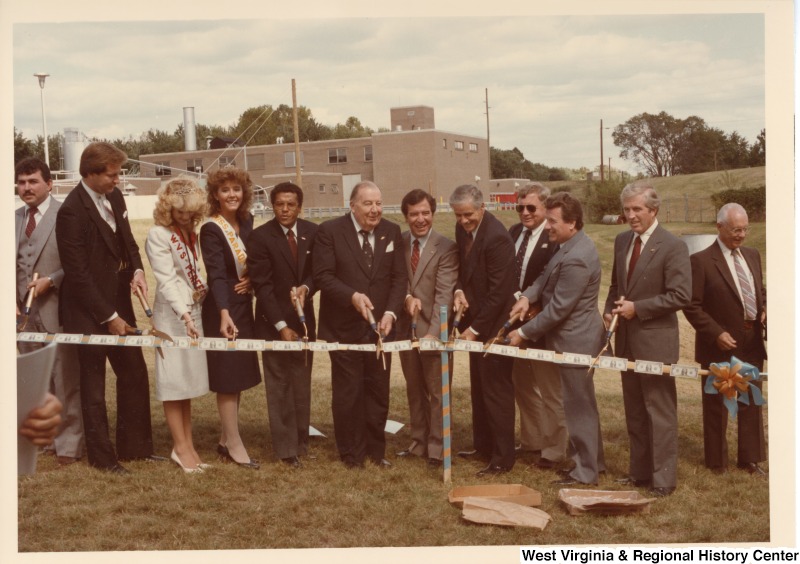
297, 173
601, 150
488, 143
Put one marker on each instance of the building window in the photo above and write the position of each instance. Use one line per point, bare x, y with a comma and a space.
473, 147
459, 145
194, 165
162, 168
226, 161
336, 156
288, 159
444, 143
321, 188
368, 153
256, 162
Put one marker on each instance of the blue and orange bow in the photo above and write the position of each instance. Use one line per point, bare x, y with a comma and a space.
733, 380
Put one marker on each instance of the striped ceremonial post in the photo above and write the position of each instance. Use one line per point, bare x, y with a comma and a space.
445, 395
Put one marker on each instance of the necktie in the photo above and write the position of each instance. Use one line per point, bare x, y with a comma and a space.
31, 221
637, 249
748, 297
468, 245
292, 244
523, 246
415, 256
109, 215
366, 248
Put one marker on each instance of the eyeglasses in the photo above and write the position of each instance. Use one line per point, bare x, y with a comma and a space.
523, 207
739, 230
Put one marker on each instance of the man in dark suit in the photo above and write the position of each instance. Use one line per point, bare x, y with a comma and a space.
728, 311
359, 269
101, 266
37, 252
279, 261
650, 283
486, 289
569, 321
432, 264
537, 385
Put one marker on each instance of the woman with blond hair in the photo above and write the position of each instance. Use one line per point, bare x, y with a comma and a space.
228, 311
171, 247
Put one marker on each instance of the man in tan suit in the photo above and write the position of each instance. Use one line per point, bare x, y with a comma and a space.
432, 263
537, 384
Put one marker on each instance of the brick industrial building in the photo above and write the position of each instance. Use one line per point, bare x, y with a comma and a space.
414, 154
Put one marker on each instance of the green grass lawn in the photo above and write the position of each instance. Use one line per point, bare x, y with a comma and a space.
325, 505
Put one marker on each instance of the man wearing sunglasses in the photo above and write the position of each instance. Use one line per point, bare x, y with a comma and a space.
537, 384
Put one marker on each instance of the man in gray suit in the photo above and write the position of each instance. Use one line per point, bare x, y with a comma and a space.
37, 252
432, 263
537, 384
569, 321
651, 280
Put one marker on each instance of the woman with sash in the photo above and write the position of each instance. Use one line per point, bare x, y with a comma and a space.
228, 310
171, 247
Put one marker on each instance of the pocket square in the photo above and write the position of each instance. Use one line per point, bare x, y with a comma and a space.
124, 214
390, 248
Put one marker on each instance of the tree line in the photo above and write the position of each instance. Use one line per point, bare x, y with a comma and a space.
661, 144
666, 146
259, 125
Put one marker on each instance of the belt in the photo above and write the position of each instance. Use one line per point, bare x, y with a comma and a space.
749, 324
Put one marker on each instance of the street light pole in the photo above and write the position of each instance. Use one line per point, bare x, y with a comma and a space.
42, 76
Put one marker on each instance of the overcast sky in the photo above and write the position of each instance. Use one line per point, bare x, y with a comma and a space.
550, 79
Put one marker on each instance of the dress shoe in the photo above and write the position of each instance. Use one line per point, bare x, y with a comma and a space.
661, 492
570, 481
472, 455
252, 463
176, 460
545, 464
382, 463
752, 468
150, 458
116, 469
630, 481
204, 466
66, 460
434, 463
492, 470
403, 453
292, 461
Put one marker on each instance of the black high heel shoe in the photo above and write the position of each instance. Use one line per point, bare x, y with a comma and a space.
226, 456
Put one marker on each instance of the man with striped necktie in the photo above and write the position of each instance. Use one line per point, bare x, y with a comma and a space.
728, 311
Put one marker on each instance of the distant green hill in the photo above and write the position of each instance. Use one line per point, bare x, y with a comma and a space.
703, 184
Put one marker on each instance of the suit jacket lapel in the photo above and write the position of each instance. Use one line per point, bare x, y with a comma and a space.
282, 242
381, 243
303, 244
19, 221
725, 271
43, 230
647, 254
355, 241
102, 225
425, 257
